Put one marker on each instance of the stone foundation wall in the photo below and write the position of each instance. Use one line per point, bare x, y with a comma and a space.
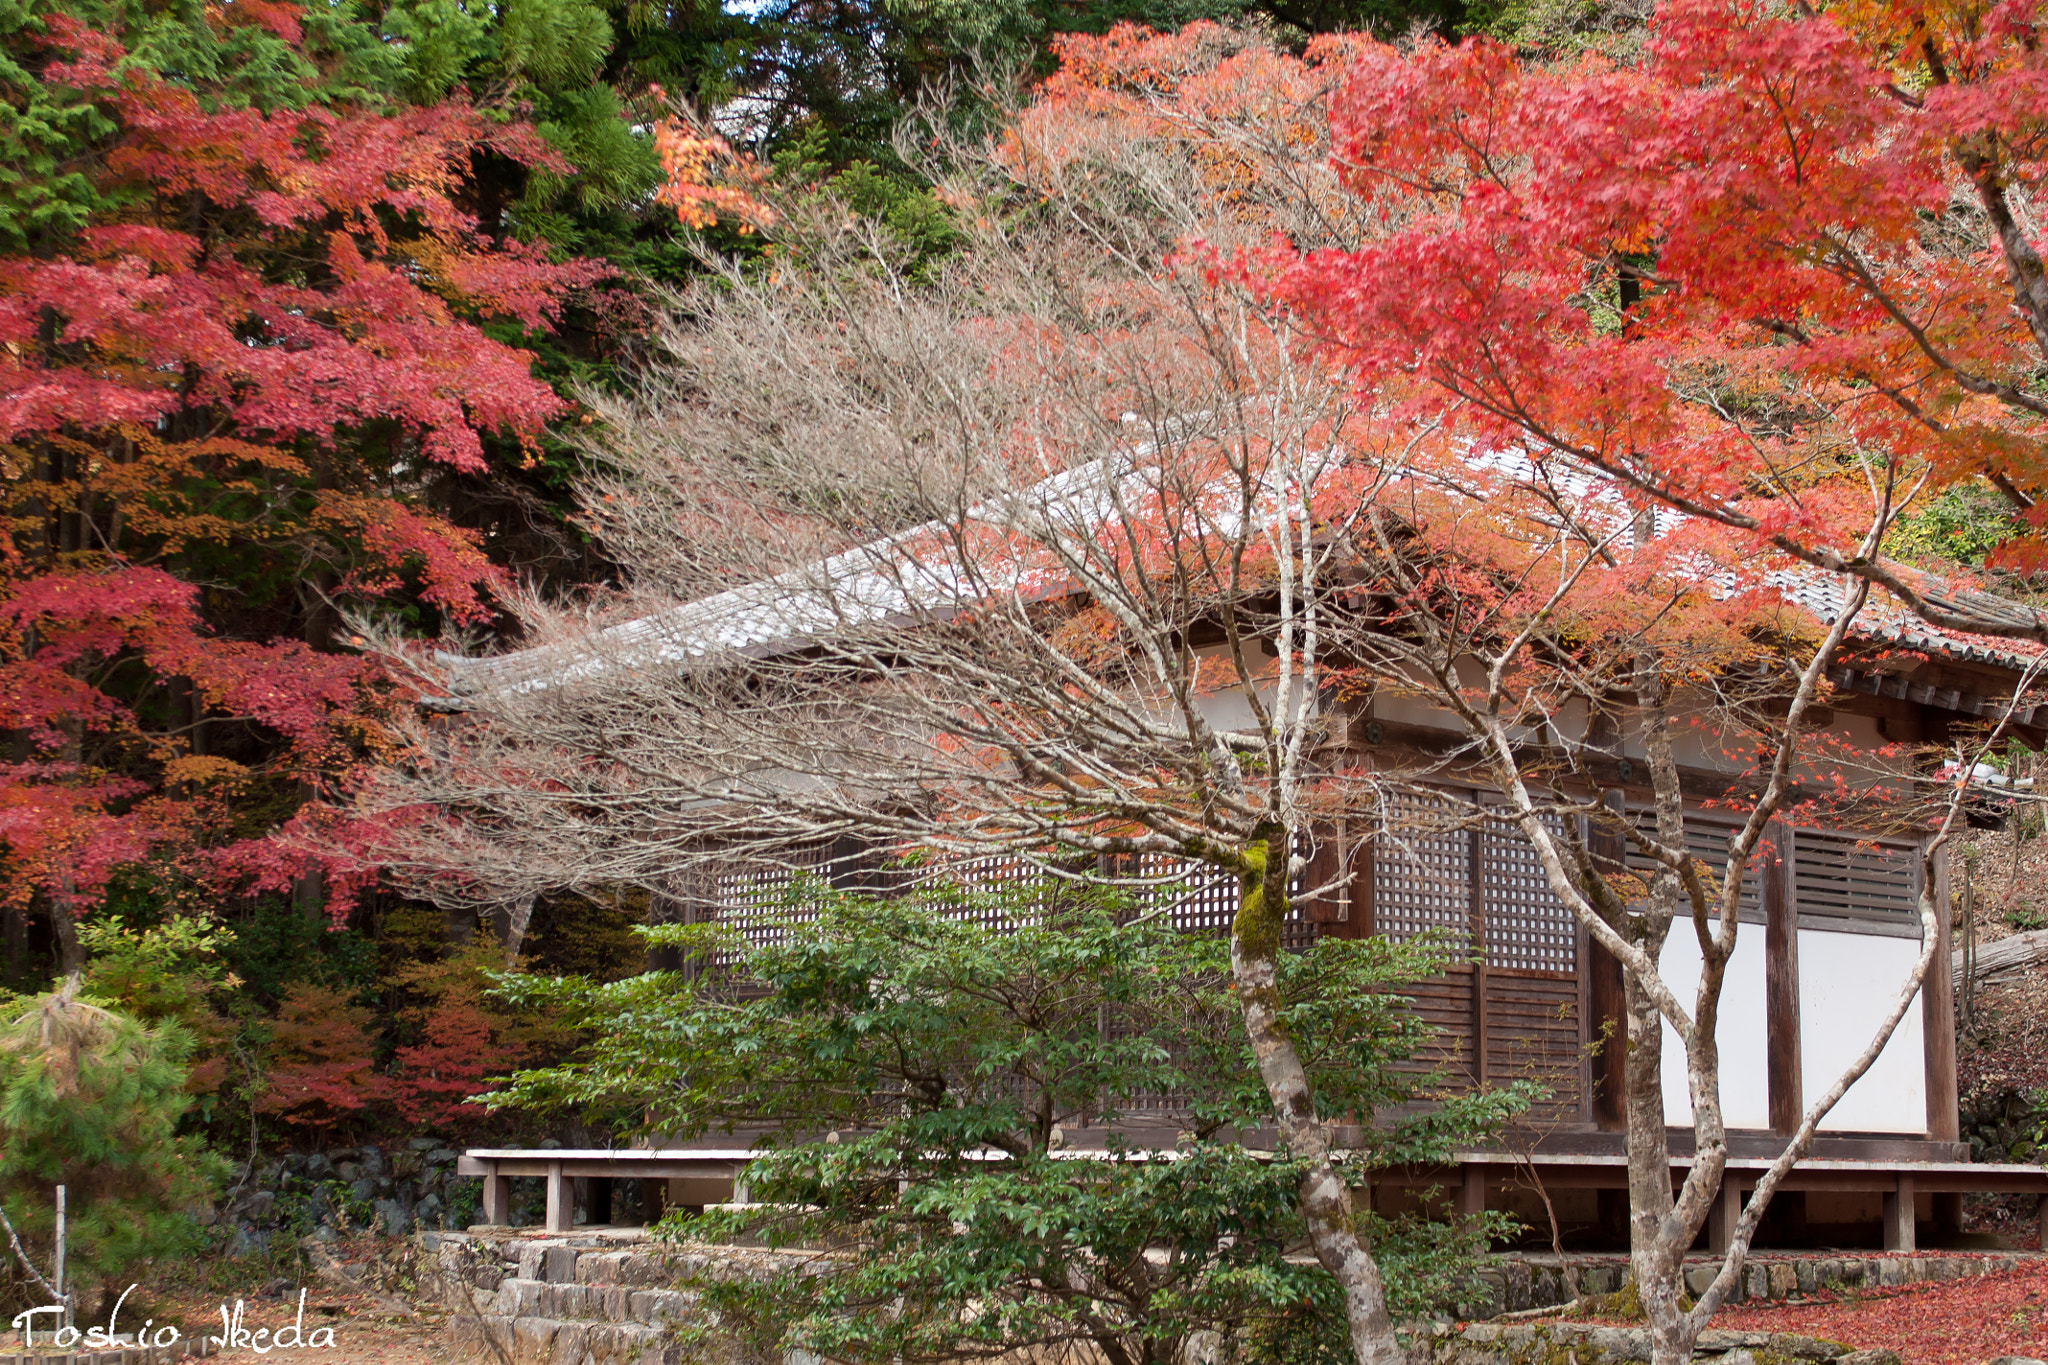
1549, 1343
1517, 1283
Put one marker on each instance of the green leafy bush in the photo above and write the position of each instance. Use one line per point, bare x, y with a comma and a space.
936, 1070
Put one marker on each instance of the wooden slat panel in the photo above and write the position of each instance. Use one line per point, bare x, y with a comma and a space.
1841, 876
1535, 1032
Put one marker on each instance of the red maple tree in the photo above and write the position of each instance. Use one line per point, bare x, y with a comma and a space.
220, 405
1774, 274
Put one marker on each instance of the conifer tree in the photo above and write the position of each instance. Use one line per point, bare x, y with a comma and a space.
90, 1099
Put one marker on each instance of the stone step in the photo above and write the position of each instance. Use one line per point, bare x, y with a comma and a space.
615, 1303
547, 1341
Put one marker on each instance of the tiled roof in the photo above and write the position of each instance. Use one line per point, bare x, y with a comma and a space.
780, 613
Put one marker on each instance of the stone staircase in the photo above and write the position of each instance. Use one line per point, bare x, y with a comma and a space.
596, 1297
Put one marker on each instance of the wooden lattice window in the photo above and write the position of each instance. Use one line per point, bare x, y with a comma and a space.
754, 900
1838, 876
1422, 875
1527, 927
1204, 900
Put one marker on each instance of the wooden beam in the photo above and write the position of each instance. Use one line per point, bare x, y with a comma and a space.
1783, 1049
1938, 1020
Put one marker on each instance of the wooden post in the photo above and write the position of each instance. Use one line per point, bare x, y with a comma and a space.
2041, 1219
561, 1202
1606, 1002
1938, 1020
497, 1198
1361, 853
1721, 1218
1898, 1216
1471, 1190
1475, 876
1783, 1050
1328, 862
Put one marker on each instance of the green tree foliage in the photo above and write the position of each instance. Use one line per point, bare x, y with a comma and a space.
90, 1098
931, 1065
1958, 527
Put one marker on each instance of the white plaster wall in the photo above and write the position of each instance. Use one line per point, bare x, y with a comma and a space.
1745, 1083
1846, 984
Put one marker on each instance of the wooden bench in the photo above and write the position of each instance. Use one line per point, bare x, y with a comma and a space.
712, 1170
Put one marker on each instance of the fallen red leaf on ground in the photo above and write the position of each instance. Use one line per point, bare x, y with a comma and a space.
1959, 1322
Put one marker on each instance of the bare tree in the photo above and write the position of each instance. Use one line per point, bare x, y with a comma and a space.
1061, 547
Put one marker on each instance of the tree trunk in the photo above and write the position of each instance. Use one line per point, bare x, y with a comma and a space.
1657, 1245
1324, 1194
64, 924
17, 973
511, 920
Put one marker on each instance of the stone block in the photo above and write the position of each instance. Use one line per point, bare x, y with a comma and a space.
658, 1306
2017, 1360
1517, 1279
1804, 1348
1619, 1344
569, 1344
1721, 1339
1697, 1279
618, 1303
467, 1340
1756, 1282
533, 1341
1783, 1279
560, 1265
599, 1267
1881, 1355
520, 1298
1807, 1275
1892, 1271
530, 1256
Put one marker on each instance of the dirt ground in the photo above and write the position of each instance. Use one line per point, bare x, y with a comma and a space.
369, 1327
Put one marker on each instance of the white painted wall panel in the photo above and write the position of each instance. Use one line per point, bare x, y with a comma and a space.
1745, 1083
1846, 984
